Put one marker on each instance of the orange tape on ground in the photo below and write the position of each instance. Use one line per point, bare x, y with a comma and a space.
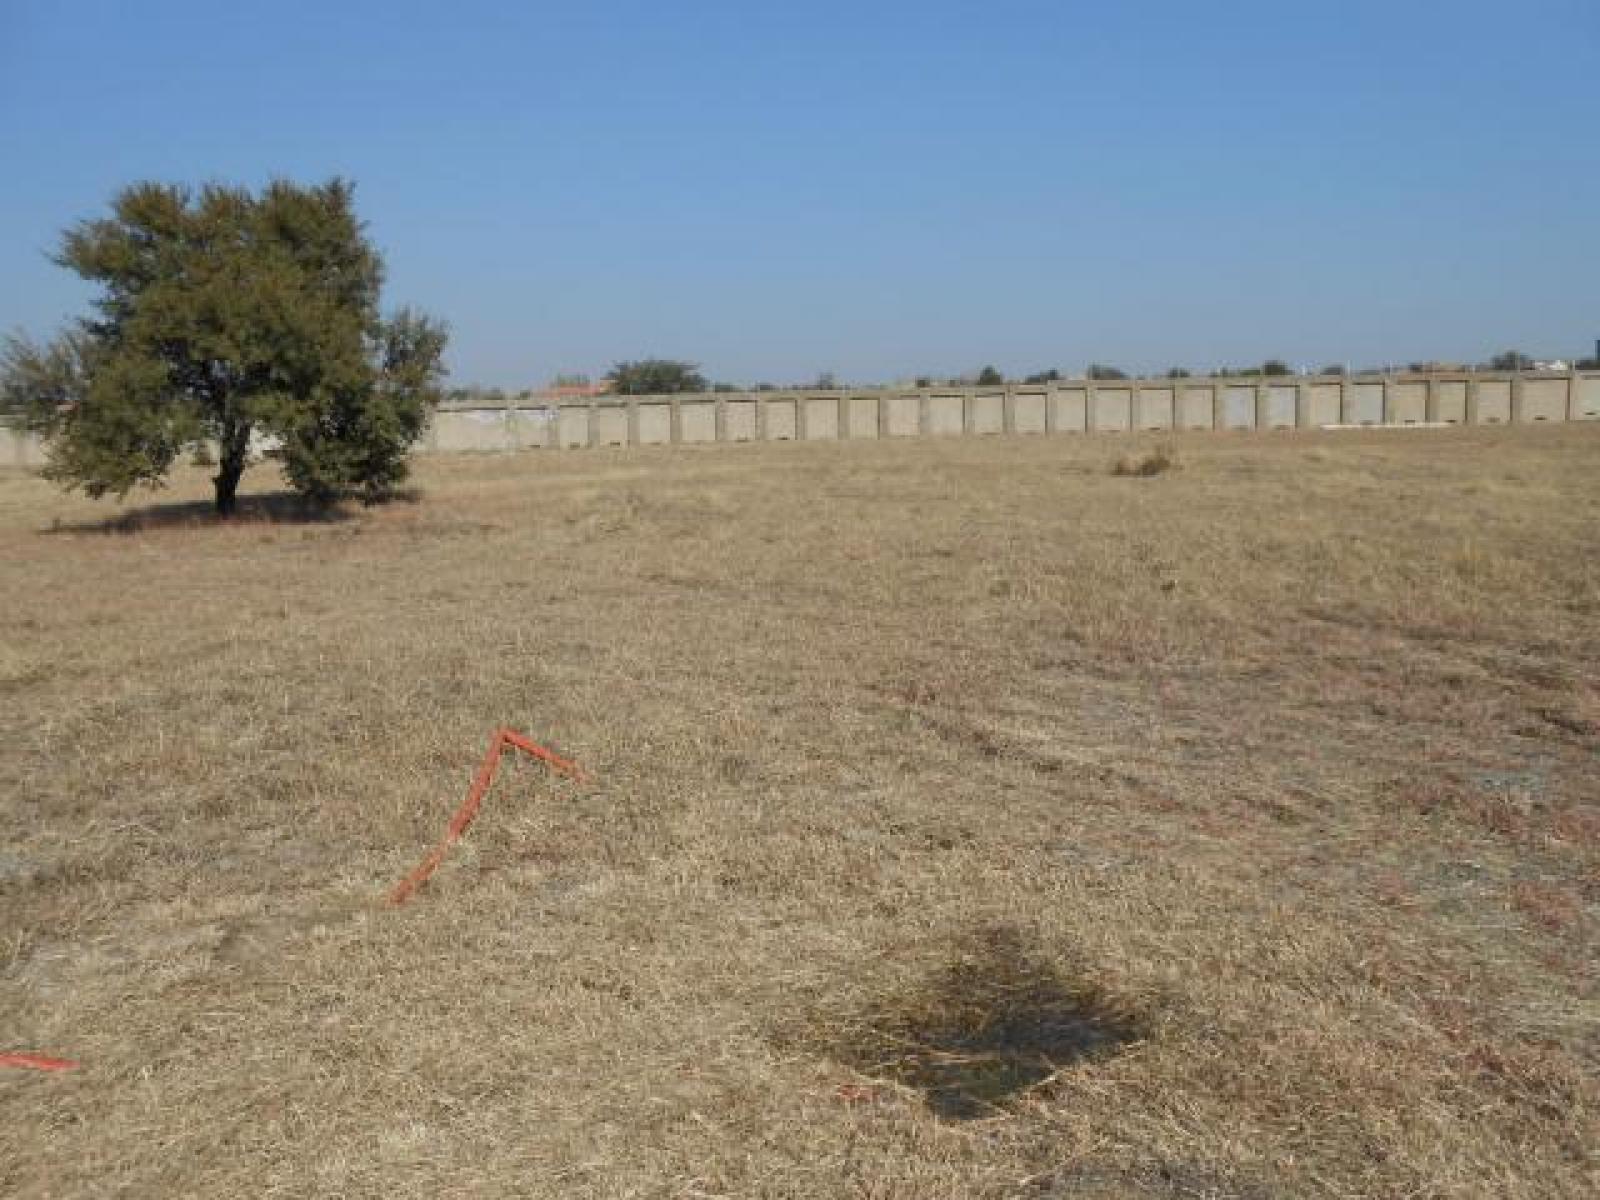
36, 1062
459, 823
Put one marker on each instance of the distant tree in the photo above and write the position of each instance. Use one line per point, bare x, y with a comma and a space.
1511, 360
655, 377
224, 314
1178, 373
724, 388
1588, 364
765, 387
1049, 376
1332, 369
825, 382
924, 381
1100, 371
570, 381
1276, 367
989, 377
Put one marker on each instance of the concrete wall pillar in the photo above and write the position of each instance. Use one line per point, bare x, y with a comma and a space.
633, 422
674, 420
924, 413
842, 423
802, 421
1430, 411
719, 419
1091, 407
1516, 398
594, 425
1050, 408
1302, 405
1471, 417
1008, 410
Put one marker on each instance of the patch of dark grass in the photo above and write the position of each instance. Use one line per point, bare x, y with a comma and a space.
990, 1024
1157, 462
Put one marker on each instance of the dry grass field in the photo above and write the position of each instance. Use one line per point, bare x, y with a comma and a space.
968, 820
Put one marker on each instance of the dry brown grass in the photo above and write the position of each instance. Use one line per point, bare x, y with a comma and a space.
968, 823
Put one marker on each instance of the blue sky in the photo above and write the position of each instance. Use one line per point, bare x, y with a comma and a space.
873, 189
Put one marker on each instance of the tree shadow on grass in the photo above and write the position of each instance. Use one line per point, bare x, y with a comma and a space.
269, 508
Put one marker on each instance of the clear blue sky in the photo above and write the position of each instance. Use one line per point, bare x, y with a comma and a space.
873, 189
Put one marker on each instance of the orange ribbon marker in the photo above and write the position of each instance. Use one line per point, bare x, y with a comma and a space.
36, 1062
503, 737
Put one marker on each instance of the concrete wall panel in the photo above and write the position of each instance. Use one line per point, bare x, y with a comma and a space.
532, 428
18, 448
697, 422
1239, 407
1027, 412
1588, 405
822, 418
1195, 407
902, 415
1155, 408
572, 426
780, 420
1071, 410
1544, 400
1324, 403
1282, 400
471, 430
739, 420
1113, 409
1363, 404
1494, 402
863, 417
1452, 400
610, 426
655, 424
989, 412
947, 414
1408, 403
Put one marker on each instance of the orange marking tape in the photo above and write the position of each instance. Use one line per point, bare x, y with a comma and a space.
503, 737
36, 1062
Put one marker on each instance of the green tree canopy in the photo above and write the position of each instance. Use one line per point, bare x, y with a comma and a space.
989, 377
1511, 360
222, 314
1101, 371
655, 377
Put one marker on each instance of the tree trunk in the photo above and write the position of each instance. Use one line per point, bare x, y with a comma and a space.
235, 445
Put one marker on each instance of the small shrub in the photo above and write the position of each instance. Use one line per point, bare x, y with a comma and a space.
1157, 462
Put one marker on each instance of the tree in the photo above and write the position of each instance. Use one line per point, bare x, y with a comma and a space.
1178, 373
221, 315
655, 377
1332, 369
1099, 371
1511, 360
989, 377
1275, 366
1049, 376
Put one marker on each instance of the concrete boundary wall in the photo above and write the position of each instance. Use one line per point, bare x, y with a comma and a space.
1067, 406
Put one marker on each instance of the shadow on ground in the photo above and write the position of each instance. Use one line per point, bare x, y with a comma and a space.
272, 508
992, 1023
